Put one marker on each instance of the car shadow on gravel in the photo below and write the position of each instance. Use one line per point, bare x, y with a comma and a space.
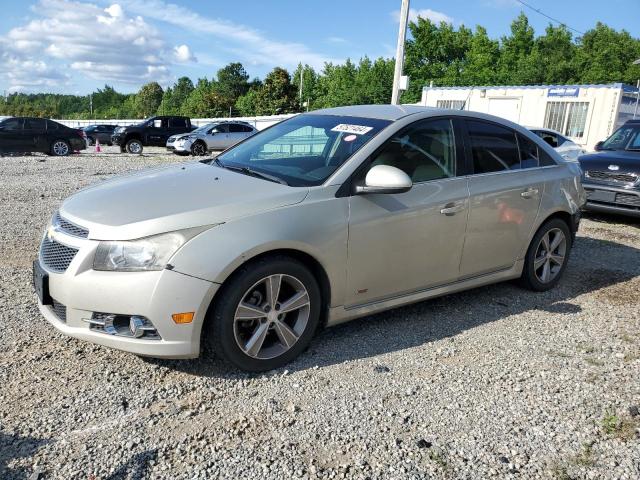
594, 265
14, 447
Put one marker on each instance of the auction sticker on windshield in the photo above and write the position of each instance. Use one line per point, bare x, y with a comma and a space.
356, 129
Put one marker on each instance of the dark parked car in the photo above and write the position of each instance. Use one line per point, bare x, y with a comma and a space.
102, 133
153, 131
611, 176
27, 134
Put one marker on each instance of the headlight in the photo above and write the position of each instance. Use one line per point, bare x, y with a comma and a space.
145, 254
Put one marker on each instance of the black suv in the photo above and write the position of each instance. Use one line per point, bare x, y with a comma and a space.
27, 134
153, 131
101, 133
611, 176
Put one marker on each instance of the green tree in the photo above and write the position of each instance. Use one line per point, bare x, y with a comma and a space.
148, 99
277, 95
556, 51
605, 55
309, 80
519, 64
481, 60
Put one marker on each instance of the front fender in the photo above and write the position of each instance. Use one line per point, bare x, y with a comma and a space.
317, 227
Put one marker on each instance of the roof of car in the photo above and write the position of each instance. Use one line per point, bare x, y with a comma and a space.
382, 112
633, 121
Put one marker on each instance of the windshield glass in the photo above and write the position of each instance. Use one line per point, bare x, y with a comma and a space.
304, 150
204, 128
625, 138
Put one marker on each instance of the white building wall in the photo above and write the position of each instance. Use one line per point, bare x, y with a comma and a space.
528, 106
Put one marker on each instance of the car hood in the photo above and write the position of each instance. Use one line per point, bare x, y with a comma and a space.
626, 161
173, 198
181, 135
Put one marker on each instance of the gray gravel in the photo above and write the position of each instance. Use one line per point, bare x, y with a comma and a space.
495, 382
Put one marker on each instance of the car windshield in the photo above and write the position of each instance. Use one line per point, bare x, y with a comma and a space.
625, 138
304, 150
204, 128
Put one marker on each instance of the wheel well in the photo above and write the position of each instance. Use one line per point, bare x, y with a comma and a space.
310, 262
566, 218
133, 136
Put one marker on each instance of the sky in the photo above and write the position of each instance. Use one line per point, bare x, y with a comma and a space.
76, 46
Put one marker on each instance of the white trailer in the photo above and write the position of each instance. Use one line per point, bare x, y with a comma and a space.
586, 114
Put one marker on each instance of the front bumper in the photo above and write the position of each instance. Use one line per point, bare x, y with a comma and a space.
611, 199
81, 291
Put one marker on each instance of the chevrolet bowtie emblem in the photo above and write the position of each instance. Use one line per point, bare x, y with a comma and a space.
50, 232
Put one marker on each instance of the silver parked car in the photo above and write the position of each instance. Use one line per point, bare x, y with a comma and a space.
325, 217
567, 149
213, 136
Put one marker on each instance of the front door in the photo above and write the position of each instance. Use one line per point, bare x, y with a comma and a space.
505, 191
11, 138
400, 243
218, 138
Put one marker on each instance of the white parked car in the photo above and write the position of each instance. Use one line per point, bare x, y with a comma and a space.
568, 150
212, 136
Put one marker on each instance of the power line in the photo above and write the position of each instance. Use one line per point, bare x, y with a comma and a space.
537, 10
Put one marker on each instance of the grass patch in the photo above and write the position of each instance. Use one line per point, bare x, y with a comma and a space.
622, 428
594, 361
627, 338
560, 472
438, 458
585, 457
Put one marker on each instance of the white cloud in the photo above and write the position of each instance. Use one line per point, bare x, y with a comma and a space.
102, 44
433, 15
249, 45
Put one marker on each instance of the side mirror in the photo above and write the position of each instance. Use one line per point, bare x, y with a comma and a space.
385, 179
598, 146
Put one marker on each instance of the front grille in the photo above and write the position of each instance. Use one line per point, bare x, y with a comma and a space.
628, 178
628, 199
56, 256
60, 311
66, 226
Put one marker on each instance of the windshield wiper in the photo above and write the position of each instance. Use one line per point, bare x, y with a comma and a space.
251, 172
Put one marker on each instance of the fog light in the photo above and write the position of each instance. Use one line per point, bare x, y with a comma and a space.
132, 326
185, 317
136, 326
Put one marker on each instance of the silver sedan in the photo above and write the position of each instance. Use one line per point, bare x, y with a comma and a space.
325, 217
210, 137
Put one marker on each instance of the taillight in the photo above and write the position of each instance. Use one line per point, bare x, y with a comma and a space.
82, 133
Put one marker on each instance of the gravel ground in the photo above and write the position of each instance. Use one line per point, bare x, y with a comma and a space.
495, 382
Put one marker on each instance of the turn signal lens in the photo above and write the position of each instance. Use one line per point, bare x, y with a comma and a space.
186, 317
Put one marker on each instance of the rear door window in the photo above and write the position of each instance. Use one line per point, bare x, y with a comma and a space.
235, 128
38, 124
529, 157
493, 147
177, 122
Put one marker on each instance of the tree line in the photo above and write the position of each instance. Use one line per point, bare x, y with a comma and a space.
440, 53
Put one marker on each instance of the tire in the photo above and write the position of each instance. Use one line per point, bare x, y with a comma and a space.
542, 270
60, 148
134, 146
284, 336
198, 149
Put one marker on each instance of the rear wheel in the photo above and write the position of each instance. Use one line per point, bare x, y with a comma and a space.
266, 315
60, 148
198, 149
547, 256
134, 146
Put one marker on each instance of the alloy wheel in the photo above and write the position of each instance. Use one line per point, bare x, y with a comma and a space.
135, 147
198, 149
271, 316
550, 256
60, 148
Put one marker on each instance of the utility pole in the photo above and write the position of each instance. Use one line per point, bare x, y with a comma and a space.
301, 77
635, 110
91, 105
402, 35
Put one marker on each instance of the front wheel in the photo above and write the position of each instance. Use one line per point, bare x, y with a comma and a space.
547, 256
134, 146
60, 148
198, 149
266, 315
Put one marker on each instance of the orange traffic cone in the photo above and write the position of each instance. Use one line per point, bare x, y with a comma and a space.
98, 146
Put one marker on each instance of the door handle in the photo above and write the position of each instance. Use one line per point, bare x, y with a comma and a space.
529, 193
452, 208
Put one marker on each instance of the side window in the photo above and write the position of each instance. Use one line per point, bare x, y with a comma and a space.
235, 128
34, 123
493, 147
157, 123
545, 159
528, 153
548, 137
246, 128
51, 126
220, 129
177, 122
424, 151
12, 124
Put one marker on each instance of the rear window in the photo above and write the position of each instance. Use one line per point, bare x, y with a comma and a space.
177, 122
493, 147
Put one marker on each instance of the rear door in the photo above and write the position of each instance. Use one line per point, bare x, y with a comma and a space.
11, 137
505, 193
237, 132
402, 243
